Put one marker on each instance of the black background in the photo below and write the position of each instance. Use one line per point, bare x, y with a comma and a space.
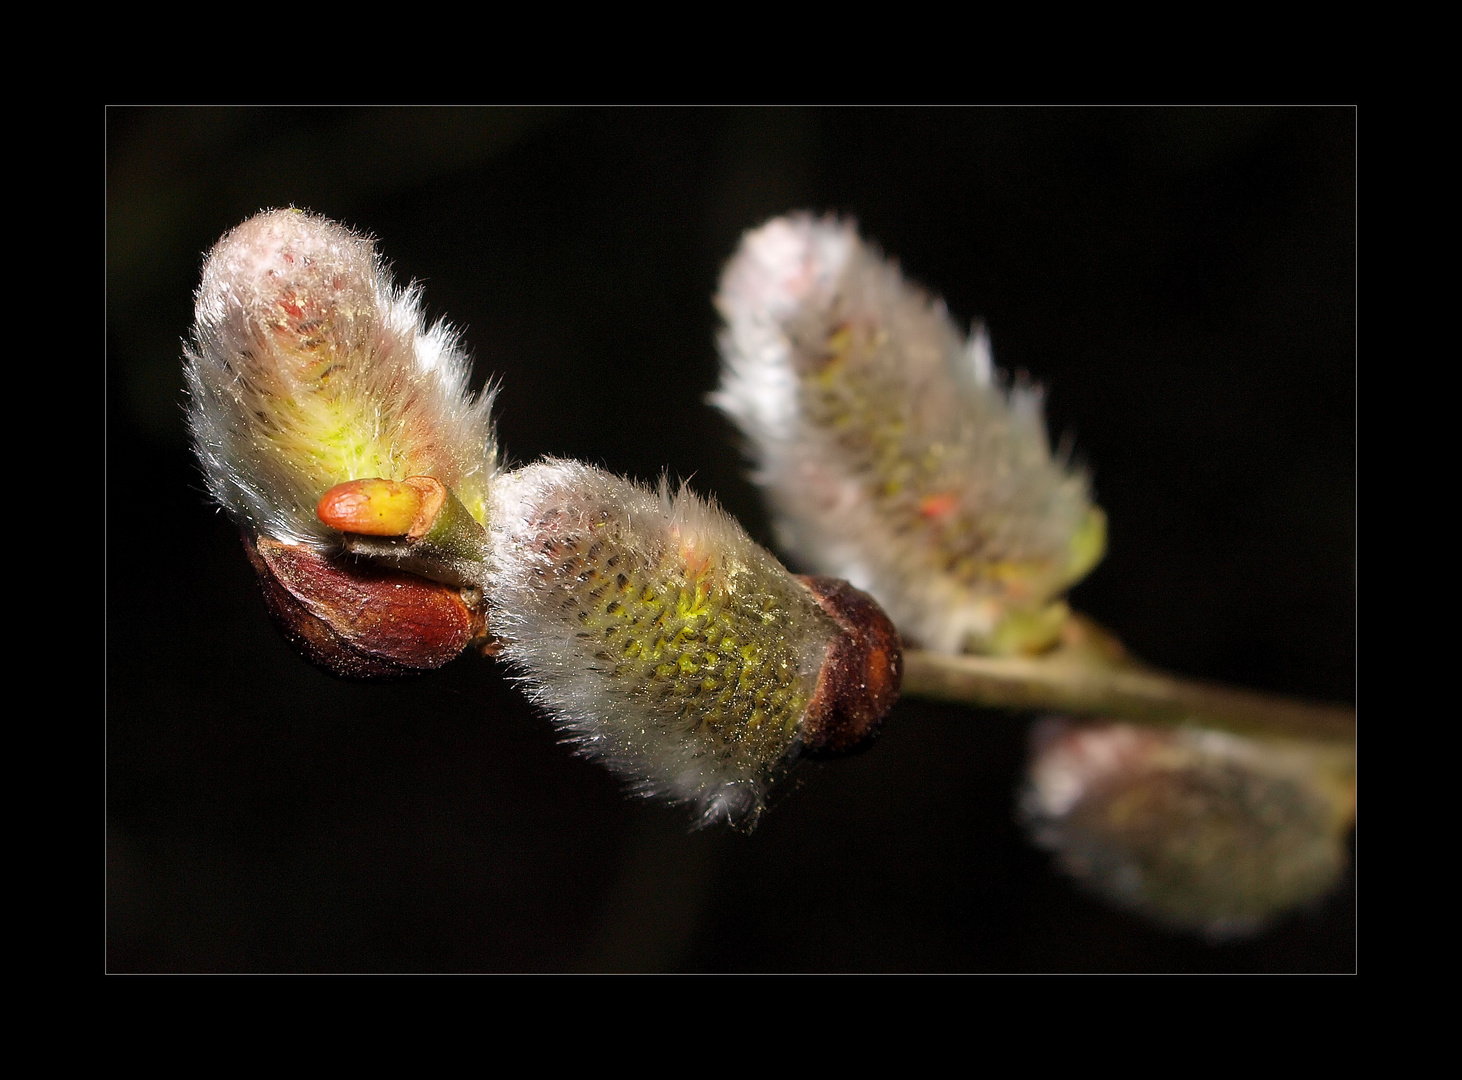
1181, 280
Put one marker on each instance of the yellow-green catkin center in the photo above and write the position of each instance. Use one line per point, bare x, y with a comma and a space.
317, 404
338, 438
918, 482
715, 648
967, 496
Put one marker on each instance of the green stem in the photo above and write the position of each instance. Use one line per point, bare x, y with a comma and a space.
1131, 693
452, 551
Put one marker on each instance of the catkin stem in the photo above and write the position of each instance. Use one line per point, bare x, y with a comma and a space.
1130, 693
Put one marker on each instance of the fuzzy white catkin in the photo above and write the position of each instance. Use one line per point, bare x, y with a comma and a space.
307, 367
660, 638
1200, 830
890, 449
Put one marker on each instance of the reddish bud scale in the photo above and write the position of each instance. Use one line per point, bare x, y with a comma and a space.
861, 676
359, 621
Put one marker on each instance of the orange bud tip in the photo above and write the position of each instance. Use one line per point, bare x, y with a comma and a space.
372, 507
377, 507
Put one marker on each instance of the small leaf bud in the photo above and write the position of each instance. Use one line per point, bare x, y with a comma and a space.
379, 507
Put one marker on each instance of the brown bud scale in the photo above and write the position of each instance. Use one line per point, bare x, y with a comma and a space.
359, 621
861, 676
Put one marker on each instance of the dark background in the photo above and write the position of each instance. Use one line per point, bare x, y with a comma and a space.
1181, 280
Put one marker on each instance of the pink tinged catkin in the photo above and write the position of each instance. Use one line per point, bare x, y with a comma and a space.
307, 368
890, 449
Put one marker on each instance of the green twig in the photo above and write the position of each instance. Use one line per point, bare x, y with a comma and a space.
1060, 684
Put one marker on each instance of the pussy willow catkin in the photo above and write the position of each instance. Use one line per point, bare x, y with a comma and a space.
892, 454
338, 430
307, 368
670, 646
1197, 829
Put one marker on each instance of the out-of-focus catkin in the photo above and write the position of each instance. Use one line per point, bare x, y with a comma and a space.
1200, 830
671, 647
891, 451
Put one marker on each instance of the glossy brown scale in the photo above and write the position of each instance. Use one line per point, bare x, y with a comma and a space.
861, 676
361, 621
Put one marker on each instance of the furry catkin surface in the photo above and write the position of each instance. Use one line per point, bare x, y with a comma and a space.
307, 367
891, 450
661, 639
1197, 829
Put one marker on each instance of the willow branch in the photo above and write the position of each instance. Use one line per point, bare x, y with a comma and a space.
1060, 684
